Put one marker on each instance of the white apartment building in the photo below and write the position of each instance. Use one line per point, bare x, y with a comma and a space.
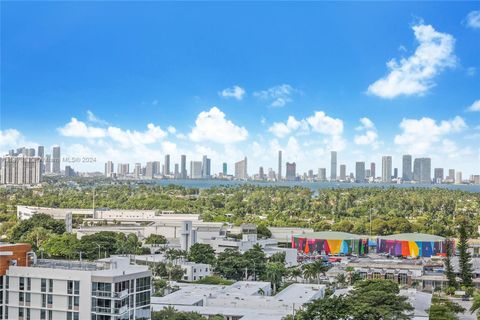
111, 289
18, 170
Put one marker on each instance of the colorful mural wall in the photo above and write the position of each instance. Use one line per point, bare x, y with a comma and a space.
330, 247
404, 248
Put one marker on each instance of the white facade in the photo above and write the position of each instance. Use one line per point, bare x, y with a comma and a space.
19, 170
59, 289
195, 271
269, 246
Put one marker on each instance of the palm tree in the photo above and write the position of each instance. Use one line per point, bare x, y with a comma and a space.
294, 273
274, 272
314, 270
349, 270
476, 303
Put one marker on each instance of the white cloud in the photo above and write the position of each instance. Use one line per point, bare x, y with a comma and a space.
331, 128
278, 96
132, 138
9, 137
235, 92
366, 124
420, 135
414, 75
475, 106
473, 20
322, 123
93, 118
369, 136
281, 129
212, 126
171, 129
79, 129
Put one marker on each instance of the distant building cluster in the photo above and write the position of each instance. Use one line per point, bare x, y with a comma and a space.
25, 166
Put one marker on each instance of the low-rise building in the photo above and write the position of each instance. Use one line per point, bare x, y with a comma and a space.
110, 289
241, 300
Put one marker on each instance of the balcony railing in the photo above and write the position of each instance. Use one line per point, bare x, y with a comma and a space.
110, 294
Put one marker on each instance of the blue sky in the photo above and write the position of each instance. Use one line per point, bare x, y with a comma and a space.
130, 82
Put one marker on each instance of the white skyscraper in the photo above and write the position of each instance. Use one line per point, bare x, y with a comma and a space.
333, 165
386, 169
19, 170
241, 171
56, 160
195, 169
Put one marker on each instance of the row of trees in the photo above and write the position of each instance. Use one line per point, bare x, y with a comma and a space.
391, 210
370, 299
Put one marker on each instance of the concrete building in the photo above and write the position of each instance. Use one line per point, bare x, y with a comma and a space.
109, 169
386, 169
60, 289
322, 174
246, 300
291, 171
241, 171
360, 172
422, 168
438, 175
20, 170
149, 170
183, 166
206, 170
333, 165
195, 169
48, 164
123, 169
279, 172
372, 170
458, 177
69, 172
343, 172
137, 171
224, 169
166, 166
407, 167
56, 160
451, 175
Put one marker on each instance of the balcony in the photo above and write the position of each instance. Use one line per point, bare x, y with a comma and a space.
110, 311
110, 294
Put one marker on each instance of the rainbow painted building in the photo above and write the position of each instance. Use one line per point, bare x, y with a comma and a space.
330, 242
411, 245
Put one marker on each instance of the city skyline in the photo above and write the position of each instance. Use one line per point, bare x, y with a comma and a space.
132, 107
420, 171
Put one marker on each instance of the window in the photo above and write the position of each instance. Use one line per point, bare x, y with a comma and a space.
44, 300
29, 284
44, 285
143, 284
69, 286
70, 303
142, 298
50, 285
20, 312
49, 300
28, 298
21, 284
6, 297
7, 282
50, 314
42, 315
21, 298
28, 313
76, 287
